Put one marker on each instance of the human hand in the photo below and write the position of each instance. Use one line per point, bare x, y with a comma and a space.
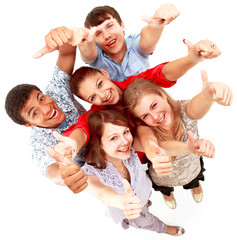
82, 35
160, 161
165, 14
54, 40
131, 204
201, 147
217, 91
72, 175
202, 50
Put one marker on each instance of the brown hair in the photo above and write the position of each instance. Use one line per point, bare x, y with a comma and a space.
79, 76
94, 154
141, 87
99, 14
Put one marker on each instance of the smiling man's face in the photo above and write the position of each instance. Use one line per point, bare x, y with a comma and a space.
42, 111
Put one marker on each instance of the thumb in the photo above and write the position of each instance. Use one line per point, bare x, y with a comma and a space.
192, 140
155, 148
205, 83
58, 157
91, 35
127, 188
42, 52
189, 44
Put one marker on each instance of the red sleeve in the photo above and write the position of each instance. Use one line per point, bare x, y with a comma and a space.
82, 123
152, 74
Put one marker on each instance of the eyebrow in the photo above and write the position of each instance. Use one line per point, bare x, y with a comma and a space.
37, 97
88, 99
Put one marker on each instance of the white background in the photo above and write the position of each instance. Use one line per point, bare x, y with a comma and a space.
32, 207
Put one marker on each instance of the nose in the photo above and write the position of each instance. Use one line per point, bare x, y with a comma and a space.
106, 34
101, 94
124, 141
154, 116
45, 108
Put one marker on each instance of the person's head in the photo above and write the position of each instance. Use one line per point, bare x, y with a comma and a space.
149, 103
94, 86
110, 29
26, 105
110, 137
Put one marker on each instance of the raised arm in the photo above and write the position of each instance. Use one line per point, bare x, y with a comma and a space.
151, 33
128, 202
202, 50
212, 92
59, 39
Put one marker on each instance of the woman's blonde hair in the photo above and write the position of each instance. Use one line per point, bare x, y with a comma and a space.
142, 87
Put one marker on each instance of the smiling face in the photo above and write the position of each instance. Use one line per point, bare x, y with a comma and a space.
116, 142
98, 89
110, 37
154, 111
40, 110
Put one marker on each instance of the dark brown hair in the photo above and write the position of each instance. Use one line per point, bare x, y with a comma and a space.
141, 87
79, 76
99, 14
94, 154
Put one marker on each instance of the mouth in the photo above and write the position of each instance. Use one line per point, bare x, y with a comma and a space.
109, 97
124, 150
54, 114
161, 120
111, 43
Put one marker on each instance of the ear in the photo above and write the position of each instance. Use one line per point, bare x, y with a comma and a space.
29, 125
123, 27
105, 73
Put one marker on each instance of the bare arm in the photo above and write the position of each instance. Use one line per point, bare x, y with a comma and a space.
200, 104
150, 34
128, 202
196, 53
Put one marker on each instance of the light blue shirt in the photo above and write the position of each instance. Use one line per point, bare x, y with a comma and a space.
58, 90
134, 61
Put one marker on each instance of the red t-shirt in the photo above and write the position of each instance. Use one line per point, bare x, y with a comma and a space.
152, 74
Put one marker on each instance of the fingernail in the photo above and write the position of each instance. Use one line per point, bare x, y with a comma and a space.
184, 40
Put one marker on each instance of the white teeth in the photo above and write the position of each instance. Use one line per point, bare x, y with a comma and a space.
162, 118
54, 112
110, 43
123, 150
108, 97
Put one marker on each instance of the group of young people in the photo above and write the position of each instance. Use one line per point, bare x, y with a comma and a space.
132, 119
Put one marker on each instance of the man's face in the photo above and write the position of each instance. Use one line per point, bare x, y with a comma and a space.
110, 37
42, 111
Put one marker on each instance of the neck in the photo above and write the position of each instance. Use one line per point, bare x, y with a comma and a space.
118, 57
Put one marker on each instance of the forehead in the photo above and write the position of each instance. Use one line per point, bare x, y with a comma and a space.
110, 128
144, 103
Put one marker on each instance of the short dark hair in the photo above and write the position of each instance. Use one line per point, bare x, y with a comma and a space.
99, 14
16, 100
79, 76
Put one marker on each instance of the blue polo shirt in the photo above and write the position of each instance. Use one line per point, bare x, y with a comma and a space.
134, 61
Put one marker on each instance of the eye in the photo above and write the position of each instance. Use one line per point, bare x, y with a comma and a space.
144, 117
113, 138
100, 84
92, 98
110, 25
126, 131
154, 105
35, 114
42, 99
97, 34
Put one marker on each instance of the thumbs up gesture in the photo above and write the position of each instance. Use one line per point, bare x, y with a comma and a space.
204, 49
160, 161
131, 204
217, 91
165, 14
72, 175
201, 147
